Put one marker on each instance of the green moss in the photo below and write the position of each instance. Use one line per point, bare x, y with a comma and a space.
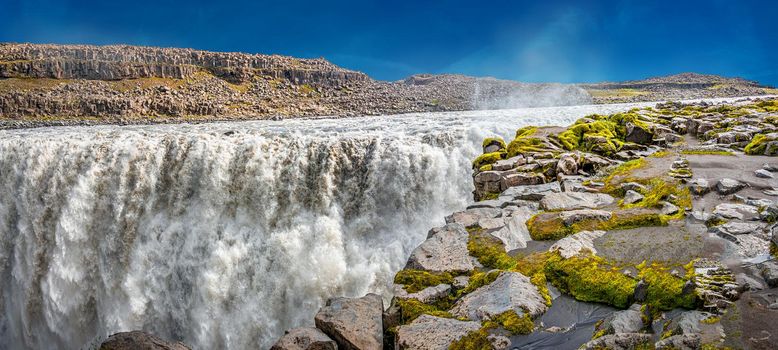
683, 173
514, 323
774, 250
478, 280
486, 167
659, 190
490, 252
417, 280
661, 154
487, 159
619, 173
711, 320
541, 228
410, 309
590, 278
490, 195
758, 146
476, 340
707, 152
665, 290
524, 142
714, 221
598, 136
494, 140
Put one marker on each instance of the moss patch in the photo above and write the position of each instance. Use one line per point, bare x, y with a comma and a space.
707, 152
417, 280
549, 226
525, 142
590, 278
758, 146
487, 159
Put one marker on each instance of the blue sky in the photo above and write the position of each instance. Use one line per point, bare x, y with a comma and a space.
562, 41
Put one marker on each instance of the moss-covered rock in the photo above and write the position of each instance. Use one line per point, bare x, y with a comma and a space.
763, 144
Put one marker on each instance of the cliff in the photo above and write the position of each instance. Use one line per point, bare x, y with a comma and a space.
68, 84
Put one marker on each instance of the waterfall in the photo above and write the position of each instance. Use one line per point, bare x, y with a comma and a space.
223, 235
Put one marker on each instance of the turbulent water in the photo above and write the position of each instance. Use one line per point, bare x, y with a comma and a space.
223, 235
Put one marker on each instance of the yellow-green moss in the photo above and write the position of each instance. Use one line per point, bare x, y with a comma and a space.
490, 195
410, 309
711, 320
487, 159
773, 250
555, 229
478, 280
661, 154
590, 278
617, 175
475, 340
524, 142
660, 189
494, 140
664, 289
417, 280
490, 252
758, 145
514, 323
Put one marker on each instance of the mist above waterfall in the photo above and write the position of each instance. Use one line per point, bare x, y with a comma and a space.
489, 94
223, 235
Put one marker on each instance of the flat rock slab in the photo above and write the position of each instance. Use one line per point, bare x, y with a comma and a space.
578, 243
433, 333
510, 291
735, 211
470, 217
740, 228
729, 186
573, 216
514, 234
305, 338
531, 192
674, 243
624, 321
575, 200
444, 251
354, 323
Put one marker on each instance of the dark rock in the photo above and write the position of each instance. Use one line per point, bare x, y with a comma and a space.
729, 186
638, 134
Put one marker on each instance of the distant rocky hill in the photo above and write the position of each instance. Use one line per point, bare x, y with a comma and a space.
118, 84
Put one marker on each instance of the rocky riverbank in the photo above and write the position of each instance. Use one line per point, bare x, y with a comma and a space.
666, 215
44, 85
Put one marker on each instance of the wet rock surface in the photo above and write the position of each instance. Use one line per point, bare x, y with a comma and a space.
353, 323
138, 340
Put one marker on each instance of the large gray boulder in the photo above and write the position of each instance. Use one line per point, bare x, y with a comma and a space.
567, 165
699, 187
576, 244
638, 134
305, 338
444, 251
729, 186
433, 333
139, 340
735, 211
514, 233
510, 291
575, 200
354, 323
632, 197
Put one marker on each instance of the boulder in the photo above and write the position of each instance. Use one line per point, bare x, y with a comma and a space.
638, 134
577, 243
620, 341
633, 186
624, 321
444, 250
739, 228
305, 338
510, 291
632, 197
433, 333
769, 270
729, 186
734, 210
139, 340
426, 295
514, 234
531, 192
770, 167
354, 323
573, 216
492, 148
699, 186
763, 174
575, 200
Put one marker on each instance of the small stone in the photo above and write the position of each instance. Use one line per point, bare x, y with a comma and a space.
699, 186
641, 291
770, 167
632, 197
566, 165
577, 243
669, 208
634, 186
763, 174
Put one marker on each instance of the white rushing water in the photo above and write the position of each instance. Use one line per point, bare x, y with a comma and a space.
222, 235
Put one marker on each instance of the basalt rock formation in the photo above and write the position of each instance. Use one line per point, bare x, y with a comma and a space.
77, 84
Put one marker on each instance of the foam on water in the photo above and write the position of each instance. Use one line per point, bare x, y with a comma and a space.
224, 234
